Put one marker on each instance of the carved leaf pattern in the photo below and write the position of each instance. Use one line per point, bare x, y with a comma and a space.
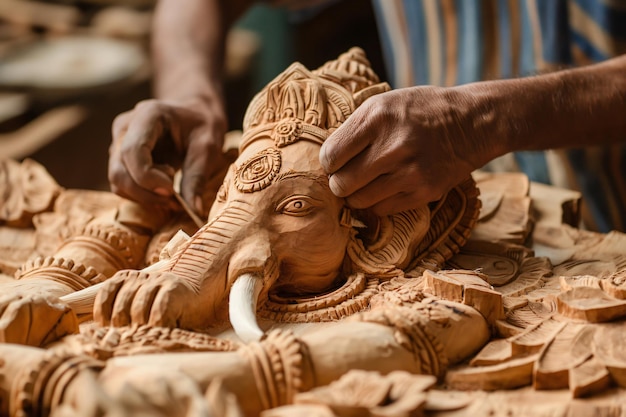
25, 189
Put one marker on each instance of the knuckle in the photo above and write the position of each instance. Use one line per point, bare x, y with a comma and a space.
208, 143
109, 286
117, 179
220, 124
120, 121
429, 193
130, 144
381, 210
328, 157
148, 105
375, 107
357, 202
338, 185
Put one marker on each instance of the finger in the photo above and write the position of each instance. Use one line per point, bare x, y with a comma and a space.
403, 201
120, 315
118, 131
379, 189
142, 304
382, 157
105, 299
403, 189
120, 124
350, 139
120, 179
146, 127
204, 169
356, 174
166, 307
394, 204
123, 185
116, 169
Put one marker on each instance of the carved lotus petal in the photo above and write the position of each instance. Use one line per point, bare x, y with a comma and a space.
26, 189
369, 393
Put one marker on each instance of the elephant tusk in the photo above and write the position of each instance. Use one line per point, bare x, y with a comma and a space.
242, 307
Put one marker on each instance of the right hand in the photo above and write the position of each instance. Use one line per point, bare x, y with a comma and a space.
158, 137
405, 148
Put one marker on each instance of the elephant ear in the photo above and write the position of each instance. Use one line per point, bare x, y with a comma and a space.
416, 240
452, 220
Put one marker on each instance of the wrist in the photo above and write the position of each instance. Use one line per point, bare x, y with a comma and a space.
188, 84
516, 114
481, 122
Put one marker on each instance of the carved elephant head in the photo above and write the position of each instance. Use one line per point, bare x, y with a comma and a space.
276, 226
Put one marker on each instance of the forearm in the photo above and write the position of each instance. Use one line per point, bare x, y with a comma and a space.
188, 47
572, 108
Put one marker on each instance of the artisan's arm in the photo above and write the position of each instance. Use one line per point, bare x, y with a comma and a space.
188, 48
184, 126
579, 107
407, 147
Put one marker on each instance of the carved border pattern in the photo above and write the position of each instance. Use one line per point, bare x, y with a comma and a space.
352, 297
40, 386
277, 367
65, 271
116, 245
106, 342
412, 324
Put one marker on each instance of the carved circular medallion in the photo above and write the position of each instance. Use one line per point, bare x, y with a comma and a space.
258, 172
287, 132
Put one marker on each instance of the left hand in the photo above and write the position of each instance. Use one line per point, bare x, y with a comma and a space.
158, 137
405, 148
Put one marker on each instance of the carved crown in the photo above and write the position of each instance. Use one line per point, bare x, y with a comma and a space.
309, 105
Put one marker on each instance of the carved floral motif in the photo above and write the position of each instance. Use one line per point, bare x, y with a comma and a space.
287, 132
258, 172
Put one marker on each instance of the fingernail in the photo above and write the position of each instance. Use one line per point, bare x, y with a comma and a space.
197, 202
163, 191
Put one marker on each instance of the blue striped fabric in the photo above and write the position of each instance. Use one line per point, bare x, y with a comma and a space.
514, 37
452, 42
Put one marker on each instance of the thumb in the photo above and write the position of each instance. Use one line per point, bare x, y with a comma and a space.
203, 171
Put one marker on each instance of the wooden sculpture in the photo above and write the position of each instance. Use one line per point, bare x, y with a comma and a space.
288, 303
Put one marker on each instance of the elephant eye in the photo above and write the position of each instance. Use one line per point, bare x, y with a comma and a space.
299, 205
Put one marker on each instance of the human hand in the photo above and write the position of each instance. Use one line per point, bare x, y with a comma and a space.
405, 148
156, 138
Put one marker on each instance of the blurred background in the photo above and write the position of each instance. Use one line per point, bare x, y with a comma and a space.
68, 67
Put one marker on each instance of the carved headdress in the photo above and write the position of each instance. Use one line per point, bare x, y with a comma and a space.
310, 105
301, 104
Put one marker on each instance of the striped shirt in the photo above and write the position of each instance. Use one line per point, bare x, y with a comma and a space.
452, 42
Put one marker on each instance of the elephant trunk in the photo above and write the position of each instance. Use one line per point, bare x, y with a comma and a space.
252, 270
